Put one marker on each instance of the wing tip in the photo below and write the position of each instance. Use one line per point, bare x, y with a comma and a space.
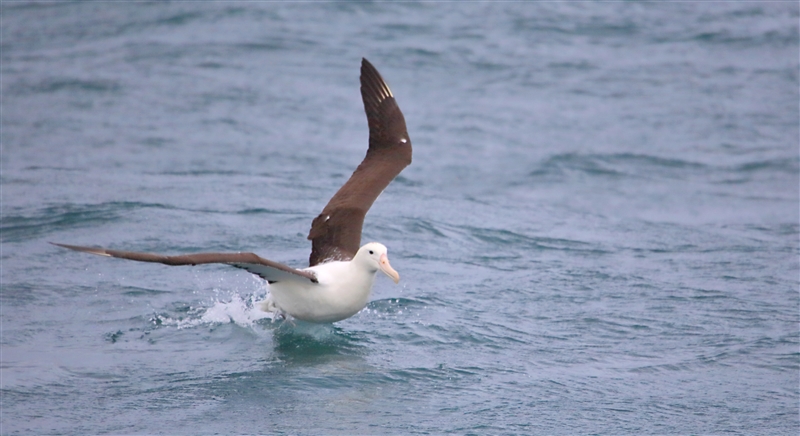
373, 85
91, 250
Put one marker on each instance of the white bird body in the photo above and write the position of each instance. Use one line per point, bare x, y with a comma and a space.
342, 289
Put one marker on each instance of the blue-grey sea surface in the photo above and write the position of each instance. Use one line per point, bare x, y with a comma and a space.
598, 234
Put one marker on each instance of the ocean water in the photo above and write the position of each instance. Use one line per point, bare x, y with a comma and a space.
598, 234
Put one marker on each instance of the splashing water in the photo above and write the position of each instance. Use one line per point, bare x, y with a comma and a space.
237, 310
245, 312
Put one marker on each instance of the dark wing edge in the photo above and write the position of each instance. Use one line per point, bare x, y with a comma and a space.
336, 233
251, 262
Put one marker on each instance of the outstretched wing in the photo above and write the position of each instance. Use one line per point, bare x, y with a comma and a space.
336, 233
266, 269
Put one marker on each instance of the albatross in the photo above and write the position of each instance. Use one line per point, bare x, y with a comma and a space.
337, 283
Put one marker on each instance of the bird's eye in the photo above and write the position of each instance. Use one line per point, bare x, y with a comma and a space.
371, 252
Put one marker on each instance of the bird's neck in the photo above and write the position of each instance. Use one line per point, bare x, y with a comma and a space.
361, 277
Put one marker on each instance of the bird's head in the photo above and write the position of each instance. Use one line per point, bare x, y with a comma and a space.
373, 255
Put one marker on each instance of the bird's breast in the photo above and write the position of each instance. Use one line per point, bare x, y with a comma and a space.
340, 293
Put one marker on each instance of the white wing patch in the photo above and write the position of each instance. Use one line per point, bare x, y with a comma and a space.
271, 274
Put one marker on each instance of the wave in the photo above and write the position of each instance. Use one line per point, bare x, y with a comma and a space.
64, 84
613, 165
620, 165
22, 226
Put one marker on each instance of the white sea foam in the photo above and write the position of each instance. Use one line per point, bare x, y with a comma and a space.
228, 306
243, 312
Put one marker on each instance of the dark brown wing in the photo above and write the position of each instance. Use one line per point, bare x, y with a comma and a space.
336, 233
266, 269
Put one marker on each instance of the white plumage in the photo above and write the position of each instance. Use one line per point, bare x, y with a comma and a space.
342, 288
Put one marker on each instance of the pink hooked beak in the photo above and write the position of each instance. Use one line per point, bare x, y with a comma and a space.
388, 270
